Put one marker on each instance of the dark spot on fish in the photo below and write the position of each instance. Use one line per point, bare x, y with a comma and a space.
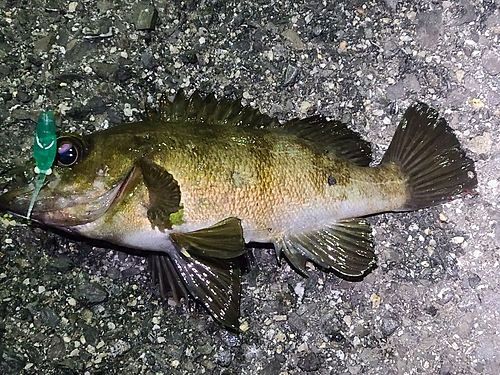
332, 180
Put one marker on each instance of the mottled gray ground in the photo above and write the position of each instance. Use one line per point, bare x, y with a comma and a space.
431, 307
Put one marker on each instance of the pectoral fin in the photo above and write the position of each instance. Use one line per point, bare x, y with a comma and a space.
223, 240
345, 247
164, 194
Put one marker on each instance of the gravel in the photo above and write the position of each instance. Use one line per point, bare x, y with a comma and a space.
432, 306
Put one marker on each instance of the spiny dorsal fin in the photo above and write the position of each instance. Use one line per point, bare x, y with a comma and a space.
334, 136
209, 110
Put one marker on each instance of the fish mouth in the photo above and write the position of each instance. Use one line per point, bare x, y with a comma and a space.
52, 208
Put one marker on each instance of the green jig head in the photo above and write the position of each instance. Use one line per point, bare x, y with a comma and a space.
44, 151
45, 144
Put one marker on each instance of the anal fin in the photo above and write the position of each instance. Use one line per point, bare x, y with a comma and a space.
345, 247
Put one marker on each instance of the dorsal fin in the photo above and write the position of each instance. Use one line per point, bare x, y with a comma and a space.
334, 136
212, 111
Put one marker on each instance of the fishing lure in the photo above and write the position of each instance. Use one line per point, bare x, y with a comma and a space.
44, 152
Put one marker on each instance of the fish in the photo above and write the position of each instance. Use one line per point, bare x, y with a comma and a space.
200, 178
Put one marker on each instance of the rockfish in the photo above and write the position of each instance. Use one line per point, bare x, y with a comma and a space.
196, 181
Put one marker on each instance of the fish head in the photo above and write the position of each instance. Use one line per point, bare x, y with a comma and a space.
89, 176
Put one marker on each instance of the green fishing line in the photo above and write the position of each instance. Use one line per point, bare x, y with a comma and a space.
44, 151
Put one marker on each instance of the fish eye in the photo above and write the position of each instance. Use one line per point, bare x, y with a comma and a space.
69, 151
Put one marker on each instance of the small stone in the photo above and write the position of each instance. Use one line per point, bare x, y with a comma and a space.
388, 326
375, 300
493, 184
474, 281
306, 106
49, 317
477, 103
481, 144
244, 326
72, 6
310, 362
460, 75
60, 264
57, 348
148, 61
293, 39
224, 358
119, 348
302, 347
280, 318
105, 70
44, 44
445, 296
491, 63
291, 74
97, 105
457, 240
147, 15
429, 27
396, 91
90, 293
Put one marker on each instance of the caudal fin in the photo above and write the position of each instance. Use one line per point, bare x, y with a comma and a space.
430, 156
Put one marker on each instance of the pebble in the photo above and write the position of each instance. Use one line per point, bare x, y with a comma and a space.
310, 362
477, 103
72, 6
280, 318
293, 39
244, 326
445, 295
493, 184
375, 300
481, 144
147, 15
388, 326
491, 63
306, 106
429, 27
90, 293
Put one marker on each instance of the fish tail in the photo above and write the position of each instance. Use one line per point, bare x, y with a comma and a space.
429, 155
